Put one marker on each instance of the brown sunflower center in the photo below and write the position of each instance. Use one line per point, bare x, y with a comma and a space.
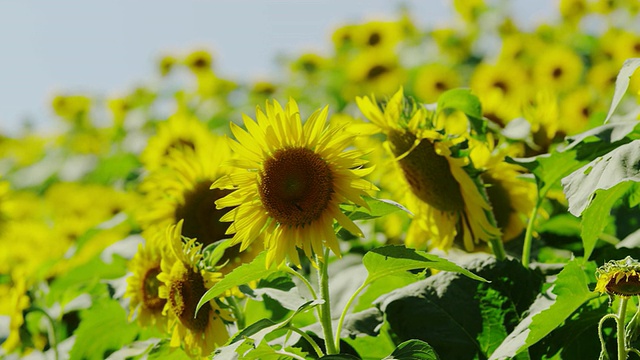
376, 71
557, 73
296, 187
150, 285
500, 200
201, 218
441, 85
502, 86
428, 174
184, 295
179, 143
374, 39
627, 286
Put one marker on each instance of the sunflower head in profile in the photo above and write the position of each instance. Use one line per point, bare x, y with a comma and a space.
445, 199
143, 285
183, 283
619, 277
295, 178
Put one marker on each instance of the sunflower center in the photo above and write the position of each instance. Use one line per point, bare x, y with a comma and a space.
428, 174
179, 143
201, 218
150, 286
502, 86
441, 86
627, 286
500, 200
374, 39
296, 186
184, 295
557, 73
377, 71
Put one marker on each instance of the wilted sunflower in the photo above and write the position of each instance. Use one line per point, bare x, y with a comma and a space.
183, 283
443, 196
619, 277
296, 177
143, 285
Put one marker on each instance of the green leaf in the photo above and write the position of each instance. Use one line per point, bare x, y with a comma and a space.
622, 83
390, 259
111, 169
608, 133
241, 275
620, 165
546, 314
465, 101
340, 357
548, 169
95, 337
377, 208
562, 224
596, 217
455, 314
413, 350
266, 352
163, 350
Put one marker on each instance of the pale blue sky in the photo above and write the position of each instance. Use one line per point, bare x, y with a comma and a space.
107, 47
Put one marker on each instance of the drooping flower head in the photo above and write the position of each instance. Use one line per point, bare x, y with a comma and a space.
143, 285
619, 277
295, 178
183, 284
444, 198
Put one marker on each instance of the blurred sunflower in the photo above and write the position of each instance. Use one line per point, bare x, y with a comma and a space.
377, 34
180, 131
432, 80
577, 107
296, 178
199, 61
444, 197
143, 285
183, 283
502, 85
17, 302
166, 64
374, 71
559, 69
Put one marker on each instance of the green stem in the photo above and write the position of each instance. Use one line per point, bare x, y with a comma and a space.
603, 347
528, 236
53, 340
494, 242
346, 309
309, 339
622, 342
303, 279
325, 318
237, 312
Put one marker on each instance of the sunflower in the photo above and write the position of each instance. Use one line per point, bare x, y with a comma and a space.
143, 285
199, 61
375, 71
559, 69
183, 283
296, 177
619, 277
179, 131
17, 302
434, 79
180, 191
444, 197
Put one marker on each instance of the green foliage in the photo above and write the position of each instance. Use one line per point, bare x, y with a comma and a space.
377, 208
413, 350
463, 100
457, 314
122, 166
622, 83
104, 329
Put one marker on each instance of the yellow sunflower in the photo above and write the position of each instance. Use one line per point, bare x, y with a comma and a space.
433, 79
375, 71
178, 132
18, 302
443, 196
183, 283
143, 285
296, 177
558, 68
619, 277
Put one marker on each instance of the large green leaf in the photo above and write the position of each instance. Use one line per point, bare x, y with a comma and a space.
548, 169
377, 208
391, 259
596, 217
622, 83
546, 314
95, 336
241, 275
620, 165
458, 316
413, 350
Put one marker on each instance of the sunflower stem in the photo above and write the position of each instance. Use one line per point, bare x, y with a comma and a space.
325, 319
344, 312
309, 339
303, 279
622, 340
494, 242
604, 355
238, 313
53, 340
528, 235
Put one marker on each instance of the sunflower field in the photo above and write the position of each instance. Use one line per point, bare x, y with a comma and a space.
461, 192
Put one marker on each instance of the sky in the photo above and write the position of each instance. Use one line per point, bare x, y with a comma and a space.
104, 48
